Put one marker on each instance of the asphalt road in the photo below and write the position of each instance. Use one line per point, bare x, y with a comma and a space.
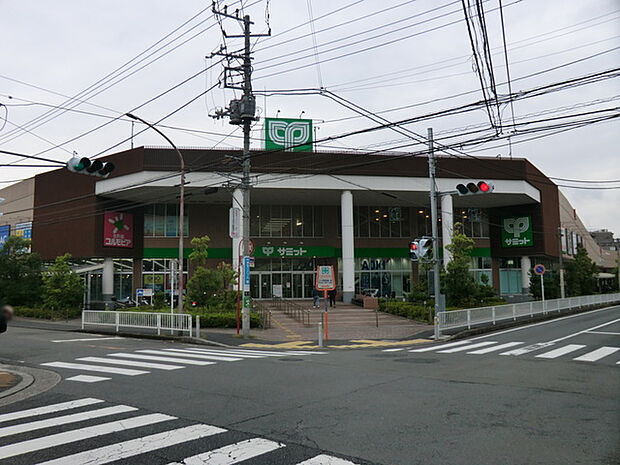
541, 394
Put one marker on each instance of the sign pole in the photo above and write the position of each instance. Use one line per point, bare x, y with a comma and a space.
325, 297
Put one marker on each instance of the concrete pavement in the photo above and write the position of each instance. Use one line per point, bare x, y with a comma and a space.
435, 406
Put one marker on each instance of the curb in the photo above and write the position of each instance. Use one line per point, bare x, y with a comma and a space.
34, 381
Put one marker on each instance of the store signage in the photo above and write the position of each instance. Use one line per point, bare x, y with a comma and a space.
24, 230
291, 135
379, 264
234, 222
325, 279
246, 273
396, 214
118, 230
517, 232
4, 234
276, 290
144, 292
284, 251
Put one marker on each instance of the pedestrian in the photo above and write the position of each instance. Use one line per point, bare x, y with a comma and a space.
316, 298
332, 298
6, 314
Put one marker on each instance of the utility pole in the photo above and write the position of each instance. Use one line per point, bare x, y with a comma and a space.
562, 291
242, 112
434, 232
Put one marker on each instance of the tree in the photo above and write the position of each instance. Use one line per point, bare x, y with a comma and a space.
552, 285
459, 284
208, 286
62, 288
581, 274
20, 273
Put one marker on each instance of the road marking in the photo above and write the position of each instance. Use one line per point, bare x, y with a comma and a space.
87, 378
162, 359
234, 453
67, 437
561, 351
494, 348
214, 352
138, 446
64, 420
527, 349
392, 350
441, 346
467, 347
597, 354
189, 353
540, 323
133, 363
325, 460
81, 366
49, 409
88, 339
586, 330
603, 332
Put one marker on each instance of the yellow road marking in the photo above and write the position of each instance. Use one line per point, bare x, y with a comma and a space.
291, 334
359, 344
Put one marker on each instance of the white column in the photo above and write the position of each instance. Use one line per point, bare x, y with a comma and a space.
107, 285
447, 225
526, 265
237, 203
348, 247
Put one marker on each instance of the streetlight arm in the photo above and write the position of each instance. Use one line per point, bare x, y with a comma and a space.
181, 209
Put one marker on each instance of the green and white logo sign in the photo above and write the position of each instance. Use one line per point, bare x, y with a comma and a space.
291, 135
517, 232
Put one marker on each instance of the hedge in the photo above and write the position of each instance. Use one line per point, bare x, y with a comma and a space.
48, 314
405, 309
224, 320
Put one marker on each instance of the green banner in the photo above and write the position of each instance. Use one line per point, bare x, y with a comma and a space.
517, 232
283, 251
290, 135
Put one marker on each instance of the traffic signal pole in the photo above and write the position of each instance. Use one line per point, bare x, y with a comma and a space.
435, 234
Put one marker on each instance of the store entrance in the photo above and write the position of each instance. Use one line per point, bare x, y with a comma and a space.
294, 285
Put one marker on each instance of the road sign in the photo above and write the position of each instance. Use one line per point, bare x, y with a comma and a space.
144, 292
246, 273
539, 269
325, 279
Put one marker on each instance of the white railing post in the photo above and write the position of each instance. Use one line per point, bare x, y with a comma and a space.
116, 320
514, 312
197, 325
189, 321
493, 313
82, 320
468, 319
532, 309
159, 324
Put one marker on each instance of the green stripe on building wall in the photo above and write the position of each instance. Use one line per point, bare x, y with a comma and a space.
364, 252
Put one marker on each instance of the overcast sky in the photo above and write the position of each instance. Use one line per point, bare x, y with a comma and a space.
378, 54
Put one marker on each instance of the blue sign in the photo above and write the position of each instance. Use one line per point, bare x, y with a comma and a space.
4, 234
246, 272
539, 269
140, 292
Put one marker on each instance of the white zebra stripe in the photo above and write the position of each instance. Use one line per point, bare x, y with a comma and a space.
33, 412
100, 369
234, 453
132, 363
161, 359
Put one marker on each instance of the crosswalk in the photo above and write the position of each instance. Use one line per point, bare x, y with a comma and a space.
83, 431
542, 350
144, 361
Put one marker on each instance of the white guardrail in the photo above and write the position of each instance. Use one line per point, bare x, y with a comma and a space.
478, 316
141, 320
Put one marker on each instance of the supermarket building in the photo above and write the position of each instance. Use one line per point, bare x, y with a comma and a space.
354, 211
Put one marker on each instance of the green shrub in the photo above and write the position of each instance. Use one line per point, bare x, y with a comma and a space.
48, 313
223, 320
405, 309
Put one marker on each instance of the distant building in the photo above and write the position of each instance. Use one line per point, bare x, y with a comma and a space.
605, 239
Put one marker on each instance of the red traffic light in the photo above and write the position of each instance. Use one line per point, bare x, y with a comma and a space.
413, 246
483, 186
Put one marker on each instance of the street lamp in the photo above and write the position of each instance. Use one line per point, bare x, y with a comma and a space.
181, 208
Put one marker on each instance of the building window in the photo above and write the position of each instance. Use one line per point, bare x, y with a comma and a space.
286, 221
482, 266
162, 220
156, 273
475, 221
379, 221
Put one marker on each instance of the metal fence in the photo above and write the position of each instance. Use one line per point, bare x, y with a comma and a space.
139, 320
497, 313
263, 312
292, 309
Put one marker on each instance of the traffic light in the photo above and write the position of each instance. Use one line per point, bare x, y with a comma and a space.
425, 245
413, 250
93, 168
481, 187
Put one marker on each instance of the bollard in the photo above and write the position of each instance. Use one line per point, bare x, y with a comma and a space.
197, 325
320, 325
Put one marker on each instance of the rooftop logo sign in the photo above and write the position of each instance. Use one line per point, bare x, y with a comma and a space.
118, 230
517, 232
290, 135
